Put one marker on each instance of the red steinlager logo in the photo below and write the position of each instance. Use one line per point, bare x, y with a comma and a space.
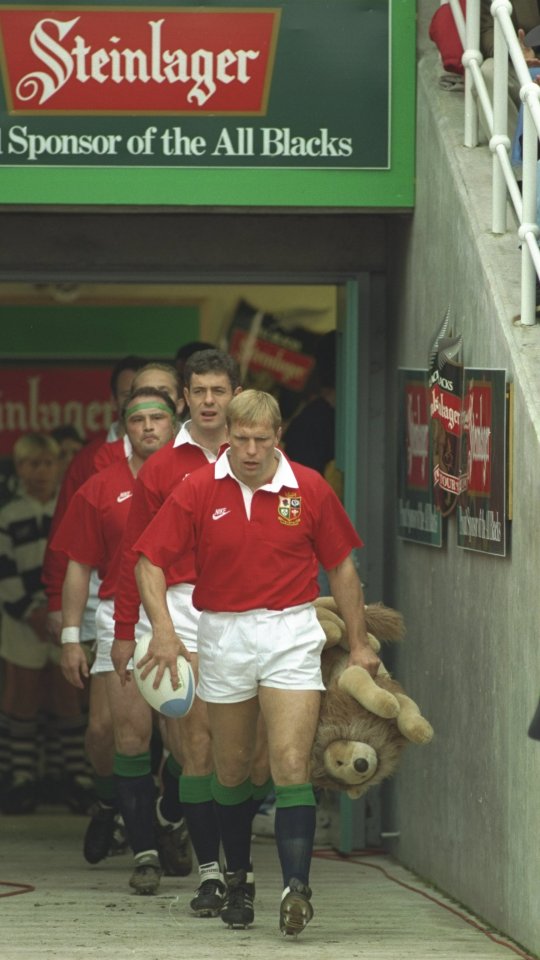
118, 60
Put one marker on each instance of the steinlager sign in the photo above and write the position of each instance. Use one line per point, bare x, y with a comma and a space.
116, 60
301, 85
291, 103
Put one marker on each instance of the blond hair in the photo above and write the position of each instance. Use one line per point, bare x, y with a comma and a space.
167, 368
34, 443
252, 407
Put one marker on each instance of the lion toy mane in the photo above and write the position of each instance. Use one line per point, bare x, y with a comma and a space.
364, 722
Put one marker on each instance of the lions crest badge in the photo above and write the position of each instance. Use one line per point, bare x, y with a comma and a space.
290, 509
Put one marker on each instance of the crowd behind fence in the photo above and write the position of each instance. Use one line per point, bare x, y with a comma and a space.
507, 48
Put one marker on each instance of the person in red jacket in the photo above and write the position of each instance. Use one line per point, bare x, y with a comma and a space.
129, 374
258, 526
211, 380
81, 467
90, 535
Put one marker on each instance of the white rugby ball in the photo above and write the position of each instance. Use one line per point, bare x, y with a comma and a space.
167, 700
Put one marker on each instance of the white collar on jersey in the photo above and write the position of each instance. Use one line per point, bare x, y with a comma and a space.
184, 436
283, 477
114, 432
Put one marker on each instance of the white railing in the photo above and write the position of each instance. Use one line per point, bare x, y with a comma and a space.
506, 44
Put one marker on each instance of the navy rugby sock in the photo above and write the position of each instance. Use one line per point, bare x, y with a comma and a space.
234, 812
136, 792
295, 830
200, 813
170, 806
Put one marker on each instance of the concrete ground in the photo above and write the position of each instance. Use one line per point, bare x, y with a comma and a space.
57, 907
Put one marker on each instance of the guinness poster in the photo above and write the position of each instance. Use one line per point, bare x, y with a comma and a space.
481, 511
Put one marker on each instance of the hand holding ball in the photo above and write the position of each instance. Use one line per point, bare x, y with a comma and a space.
166, 700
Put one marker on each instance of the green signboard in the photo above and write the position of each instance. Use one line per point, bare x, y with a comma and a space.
97, 330
299, 103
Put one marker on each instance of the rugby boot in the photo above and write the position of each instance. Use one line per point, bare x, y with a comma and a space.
174, 848
238, 910
295, 910
209, 898
146, 875
99, 834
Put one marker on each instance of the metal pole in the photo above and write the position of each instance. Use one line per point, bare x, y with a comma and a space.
500, 140
472, 52
528, 230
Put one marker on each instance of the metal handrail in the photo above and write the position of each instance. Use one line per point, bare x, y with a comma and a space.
506, 45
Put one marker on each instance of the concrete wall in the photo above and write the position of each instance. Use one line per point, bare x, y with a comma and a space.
467, 806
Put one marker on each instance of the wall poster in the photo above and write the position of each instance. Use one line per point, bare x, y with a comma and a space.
419, 518
482, 507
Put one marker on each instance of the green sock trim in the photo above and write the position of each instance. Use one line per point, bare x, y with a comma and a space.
262, 791
105, 788
295, 795
195, 789
231, 796
136, 766
173, 766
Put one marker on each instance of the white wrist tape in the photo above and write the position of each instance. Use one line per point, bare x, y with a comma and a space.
71, 635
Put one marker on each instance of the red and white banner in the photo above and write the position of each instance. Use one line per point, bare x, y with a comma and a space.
478, 437
114, 60
287, 367
417, 424
36, 399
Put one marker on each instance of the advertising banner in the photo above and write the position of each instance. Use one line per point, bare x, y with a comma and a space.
184, 86
36, 399
273, 358
419, 519
301, 86
445, 407
481, 512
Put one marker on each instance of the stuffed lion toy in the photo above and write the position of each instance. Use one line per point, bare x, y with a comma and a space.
364, 722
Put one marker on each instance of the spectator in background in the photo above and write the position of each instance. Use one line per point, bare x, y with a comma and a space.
185, 351
70, 442
525, 16
310, 437
32, 678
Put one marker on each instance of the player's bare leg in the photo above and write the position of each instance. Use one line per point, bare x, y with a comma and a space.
291, 718
132, 723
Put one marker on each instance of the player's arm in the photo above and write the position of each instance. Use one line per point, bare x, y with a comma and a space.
348, 593
55, 561
166, 645
74, 599
144, 505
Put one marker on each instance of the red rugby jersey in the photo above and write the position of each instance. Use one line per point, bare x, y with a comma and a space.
266, 561
155, 480
92, 527
80, 469
111, 452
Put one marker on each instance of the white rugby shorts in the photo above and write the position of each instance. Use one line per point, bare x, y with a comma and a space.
238, 652
88, 622
184, 616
